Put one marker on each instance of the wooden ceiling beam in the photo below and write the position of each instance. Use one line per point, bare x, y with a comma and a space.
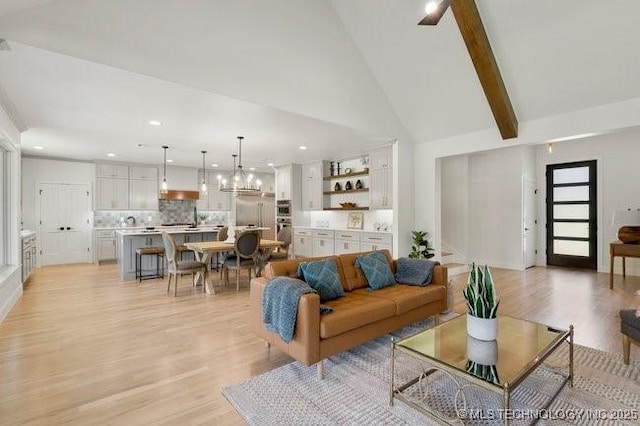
475, 37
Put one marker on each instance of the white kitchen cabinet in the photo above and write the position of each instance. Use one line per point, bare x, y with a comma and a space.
381, 191
268, 182
219, 201
142, 172
381, 159
312, 186
302, 243
181, 178
346, 242
371, 241
112, 193
106, 245
381, 179
29, 256
143, 194
283, 183
329, 242
212, 199
323, 243
108, 170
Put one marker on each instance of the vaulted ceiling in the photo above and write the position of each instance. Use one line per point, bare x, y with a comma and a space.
340, 76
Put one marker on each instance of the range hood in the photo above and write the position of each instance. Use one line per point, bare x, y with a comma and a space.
177, 194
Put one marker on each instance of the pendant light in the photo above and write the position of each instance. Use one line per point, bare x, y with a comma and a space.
165, 186
239, 181
204, 172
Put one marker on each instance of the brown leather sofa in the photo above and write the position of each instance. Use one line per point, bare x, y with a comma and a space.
357, 317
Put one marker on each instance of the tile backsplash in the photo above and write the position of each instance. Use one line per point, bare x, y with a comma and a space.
171, 211
176, 211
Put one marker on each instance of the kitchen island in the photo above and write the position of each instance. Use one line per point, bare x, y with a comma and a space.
128, 240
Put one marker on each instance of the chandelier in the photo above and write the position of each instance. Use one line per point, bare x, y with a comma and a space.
239, 181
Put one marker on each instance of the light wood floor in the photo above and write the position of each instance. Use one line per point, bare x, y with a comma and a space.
81, 347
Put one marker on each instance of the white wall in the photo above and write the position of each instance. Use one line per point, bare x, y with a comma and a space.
454, 177
618, 177
38, 170
403, 197
495, 208
481, 202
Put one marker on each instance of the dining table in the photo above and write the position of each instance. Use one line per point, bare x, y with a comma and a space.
204, 250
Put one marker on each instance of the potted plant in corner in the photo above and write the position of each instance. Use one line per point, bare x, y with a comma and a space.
420, 248
482, 302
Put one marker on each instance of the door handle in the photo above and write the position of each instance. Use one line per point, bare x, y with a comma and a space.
526, 229
61, 228
68, 228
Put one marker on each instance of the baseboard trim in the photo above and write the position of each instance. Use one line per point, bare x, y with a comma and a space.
14, 276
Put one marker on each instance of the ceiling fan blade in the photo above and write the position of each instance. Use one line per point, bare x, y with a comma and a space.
434, 17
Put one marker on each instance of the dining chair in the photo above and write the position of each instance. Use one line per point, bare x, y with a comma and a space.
282, 252
178, 267
245, 249
223, 233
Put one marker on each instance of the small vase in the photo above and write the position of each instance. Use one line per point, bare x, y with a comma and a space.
337, 187
348, 186
358, 184
482, 328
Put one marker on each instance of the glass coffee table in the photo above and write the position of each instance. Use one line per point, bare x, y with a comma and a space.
446, 353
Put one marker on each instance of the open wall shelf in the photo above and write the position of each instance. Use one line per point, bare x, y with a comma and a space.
346, 210
346, 191
346, 176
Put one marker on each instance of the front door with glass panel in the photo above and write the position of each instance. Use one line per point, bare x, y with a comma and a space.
571, 215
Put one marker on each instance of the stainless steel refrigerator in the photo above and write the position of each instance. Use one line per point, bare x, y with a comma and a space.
257, 210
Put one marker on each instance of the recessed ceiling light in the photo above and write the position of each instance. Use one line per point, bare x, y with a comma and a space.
155, 122
169, 161
214, 165
270, 164
253, 169
431, 7
39, 148
111, 154
302, 147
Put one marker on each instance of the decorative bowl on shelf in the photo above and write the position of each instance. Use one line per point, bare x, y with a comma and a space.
347, 205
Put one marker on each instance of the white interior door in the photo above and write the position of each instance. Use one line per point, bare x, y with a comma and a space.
529, 223
51, 225
65, 233
77, 229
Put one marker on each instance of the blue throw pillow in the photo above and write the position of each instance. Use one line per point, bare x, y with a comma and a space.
322, 276
376, 269
415, 271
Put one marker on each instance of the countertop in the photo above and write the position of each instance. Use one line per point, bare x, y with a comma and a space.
342, 229
178, 230
27, 233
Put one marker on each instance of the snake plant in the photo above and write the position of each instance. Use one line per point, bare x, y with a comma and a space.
480, 293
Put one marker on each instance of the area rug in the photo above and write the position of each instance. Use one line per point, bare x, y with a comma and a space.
355, 392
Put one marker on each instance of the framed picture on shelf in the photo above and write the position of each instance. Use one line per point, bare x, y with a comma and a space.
354, 220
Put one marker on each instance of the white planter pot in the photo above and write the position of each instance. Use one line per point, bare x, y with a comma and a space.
482, 328
483, 352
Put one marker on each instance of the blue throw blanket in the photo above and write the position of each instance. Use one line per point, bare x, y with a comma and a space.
280, 305
415, 271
